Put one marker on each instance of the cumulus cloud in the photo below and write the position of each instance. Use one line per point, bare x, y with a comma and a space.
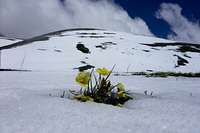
184, 30
28, 18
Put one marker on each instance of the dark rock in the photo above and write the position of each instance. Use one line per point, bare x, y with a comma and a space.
86, 67
82, 48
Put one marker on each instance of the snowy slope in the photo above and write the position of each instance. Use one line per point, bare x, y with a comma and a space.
6, 41
58, 51
27, 107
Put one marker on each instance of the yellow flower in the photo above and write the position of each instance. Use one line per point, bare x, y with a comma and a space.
83, 78
103, 71
121, 94
121, 87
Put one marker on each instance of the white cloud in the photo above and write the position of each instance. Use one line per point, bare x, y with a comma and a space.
184, 29
27, 18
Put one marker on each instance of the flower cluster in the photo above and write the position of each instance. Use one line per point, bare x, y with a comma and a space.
99, 88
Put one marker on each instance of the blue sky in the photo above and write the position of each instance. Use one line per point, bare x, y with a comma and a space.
146, 10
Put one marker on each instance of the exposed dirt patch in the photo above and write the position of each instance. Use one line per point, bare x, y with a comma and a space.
42, 49
182, 47
81, 47
57, 50
105, 45
1, 70
86, 67
181, 61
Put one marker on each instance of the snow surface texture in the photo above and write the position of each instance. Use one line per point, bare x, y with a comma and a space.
6, 41
27, 107
58, 52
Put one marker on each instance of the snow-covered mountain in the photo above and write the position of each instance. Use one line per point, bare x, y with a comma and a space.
74, 48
